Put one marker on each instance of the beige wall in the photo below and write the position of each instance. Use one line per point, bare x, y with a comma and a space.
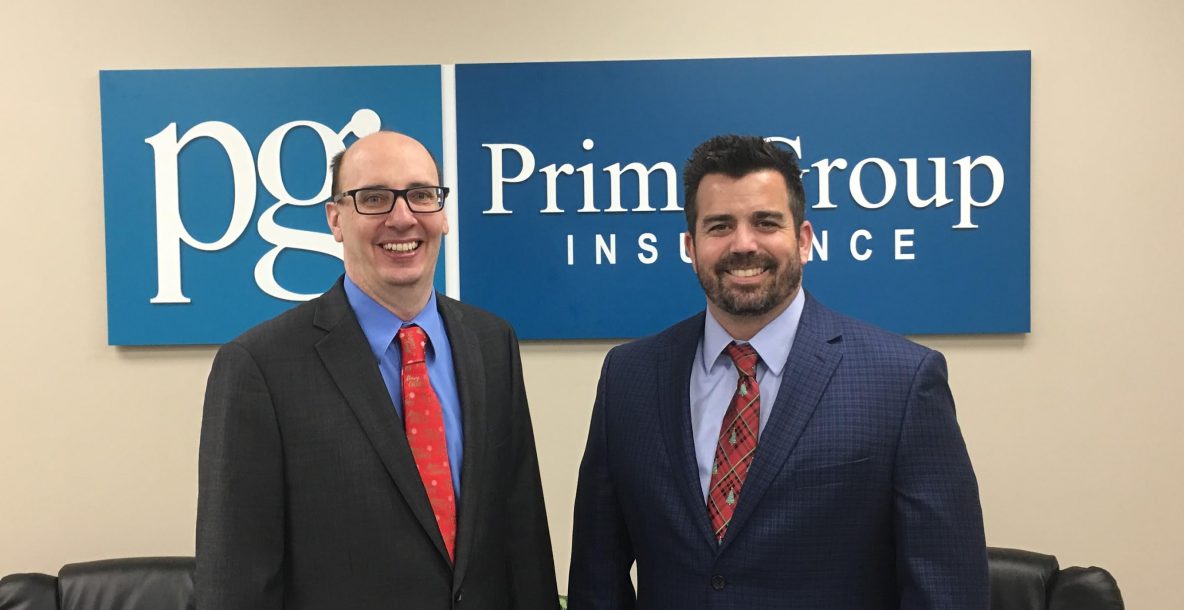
1074, 428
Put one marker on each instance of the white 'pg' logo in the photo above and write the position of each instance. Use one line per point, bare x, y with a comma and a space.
171, 231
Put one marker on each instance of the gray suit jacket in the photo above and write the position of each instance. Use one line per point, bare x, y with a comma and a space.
309, 496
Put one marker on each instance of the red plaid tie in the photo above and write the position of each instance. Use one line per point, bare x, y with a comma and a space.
737, 441
424, 423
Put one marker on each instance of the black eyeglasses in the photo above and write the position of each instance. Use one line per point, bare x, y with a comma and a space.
420, 199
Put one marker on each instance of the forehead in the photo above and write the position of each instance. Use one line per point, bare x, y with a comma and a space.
386, 159
759, 191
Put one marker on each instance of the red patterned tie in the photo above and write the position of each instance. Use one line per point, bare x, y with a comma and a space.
737, 441
424, 423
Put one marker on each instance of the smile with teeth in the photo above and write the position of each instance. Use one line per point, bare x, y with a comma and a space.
746, 272
403, 246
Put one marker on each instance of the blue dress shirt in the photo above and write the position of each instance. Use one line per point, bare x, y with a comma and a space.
714, 377
381, 326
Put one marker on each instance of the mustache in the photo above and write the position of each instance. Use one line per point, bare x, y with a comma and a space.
743, 261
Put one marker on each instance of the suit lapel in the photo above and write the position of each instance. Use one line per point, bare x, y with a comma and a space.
346, 354
816, 353
674, 407
470, 379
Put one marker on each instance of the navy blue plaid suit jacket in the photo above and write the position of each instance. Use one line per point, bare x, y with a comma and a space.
861, 493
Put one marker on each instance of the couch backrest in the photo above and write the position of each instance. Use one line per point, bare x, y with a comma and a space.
1020, 580
142, 583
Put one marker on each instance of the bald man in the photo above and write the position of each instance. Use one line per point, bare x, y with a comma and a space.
372, 448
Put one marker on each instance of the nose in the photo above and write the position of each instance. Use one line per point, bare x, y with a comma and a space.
400, 216
744, 239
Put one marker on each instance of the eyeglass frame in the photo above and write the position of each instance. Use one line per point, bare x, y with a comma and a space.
397, 193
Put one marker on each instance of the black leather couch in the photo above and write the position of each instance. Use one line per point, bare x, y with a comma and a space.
140, 583
1020, 580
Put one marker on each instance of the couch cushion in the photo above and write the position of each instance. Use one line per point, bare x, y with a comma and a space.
28, 592
142, 583
1020, 580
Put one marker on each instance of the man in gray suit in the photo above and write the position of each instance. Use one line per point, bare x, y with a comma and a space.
372, 448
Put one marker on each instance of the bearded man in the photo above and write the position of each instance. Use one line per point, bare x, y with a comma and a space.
768, 452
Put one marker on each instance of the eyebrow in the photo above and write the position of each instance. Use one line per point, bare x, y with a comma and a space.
717, 218
766, 215
411, 185
758, 215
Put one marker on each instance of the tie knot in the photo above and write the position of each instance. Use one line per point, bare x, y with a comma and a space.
744, 356
412, 340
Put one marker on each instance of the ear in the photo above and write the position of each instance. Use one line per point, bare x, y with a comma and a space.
688, 243
805, 241
333, 218
444, 231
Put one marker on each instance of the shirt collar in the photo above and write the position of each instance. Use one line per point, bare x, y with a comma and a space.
380, 325
772, 343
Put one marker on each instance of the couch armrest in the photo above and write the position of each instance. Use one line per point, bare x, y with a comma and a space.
1089, 588
29, 592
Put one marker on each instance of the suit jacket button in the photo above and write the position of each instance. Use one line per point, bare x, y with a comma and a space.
460, 596
718, 582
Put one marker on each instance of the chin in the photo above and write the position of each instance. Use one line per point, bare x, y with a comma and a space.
402, 282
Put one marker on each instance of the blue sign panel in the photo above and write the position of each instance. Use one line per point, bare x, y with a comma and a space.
214, 184
570, 197
916, 174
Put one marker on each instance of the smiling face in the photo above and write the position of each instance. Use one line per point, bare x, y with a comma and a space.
745, 250
391, 257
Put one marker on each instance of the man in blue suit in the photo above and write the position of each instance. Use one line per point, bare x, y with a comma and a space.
768, 452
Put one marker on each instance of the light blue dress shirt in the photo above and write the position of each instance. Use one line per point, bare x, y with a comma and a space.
381, 326
714, 378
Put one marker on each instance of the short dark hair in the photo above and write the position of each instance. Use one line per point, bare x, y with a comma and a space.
737, 156
335, 168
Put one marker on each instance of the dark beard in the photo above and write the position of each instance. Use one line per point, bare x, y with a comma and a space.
757, 301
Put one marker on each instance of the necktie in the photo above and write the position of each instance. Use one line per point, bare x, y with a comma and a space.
424, 423
737, 441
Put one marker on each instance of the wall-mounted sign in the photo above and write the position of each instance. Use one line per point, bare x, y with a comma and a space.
569, 193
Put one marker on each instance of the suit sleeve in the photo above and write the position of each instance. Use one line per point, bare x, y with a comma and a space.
531, 562
941, 551
240, 513
601, 549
